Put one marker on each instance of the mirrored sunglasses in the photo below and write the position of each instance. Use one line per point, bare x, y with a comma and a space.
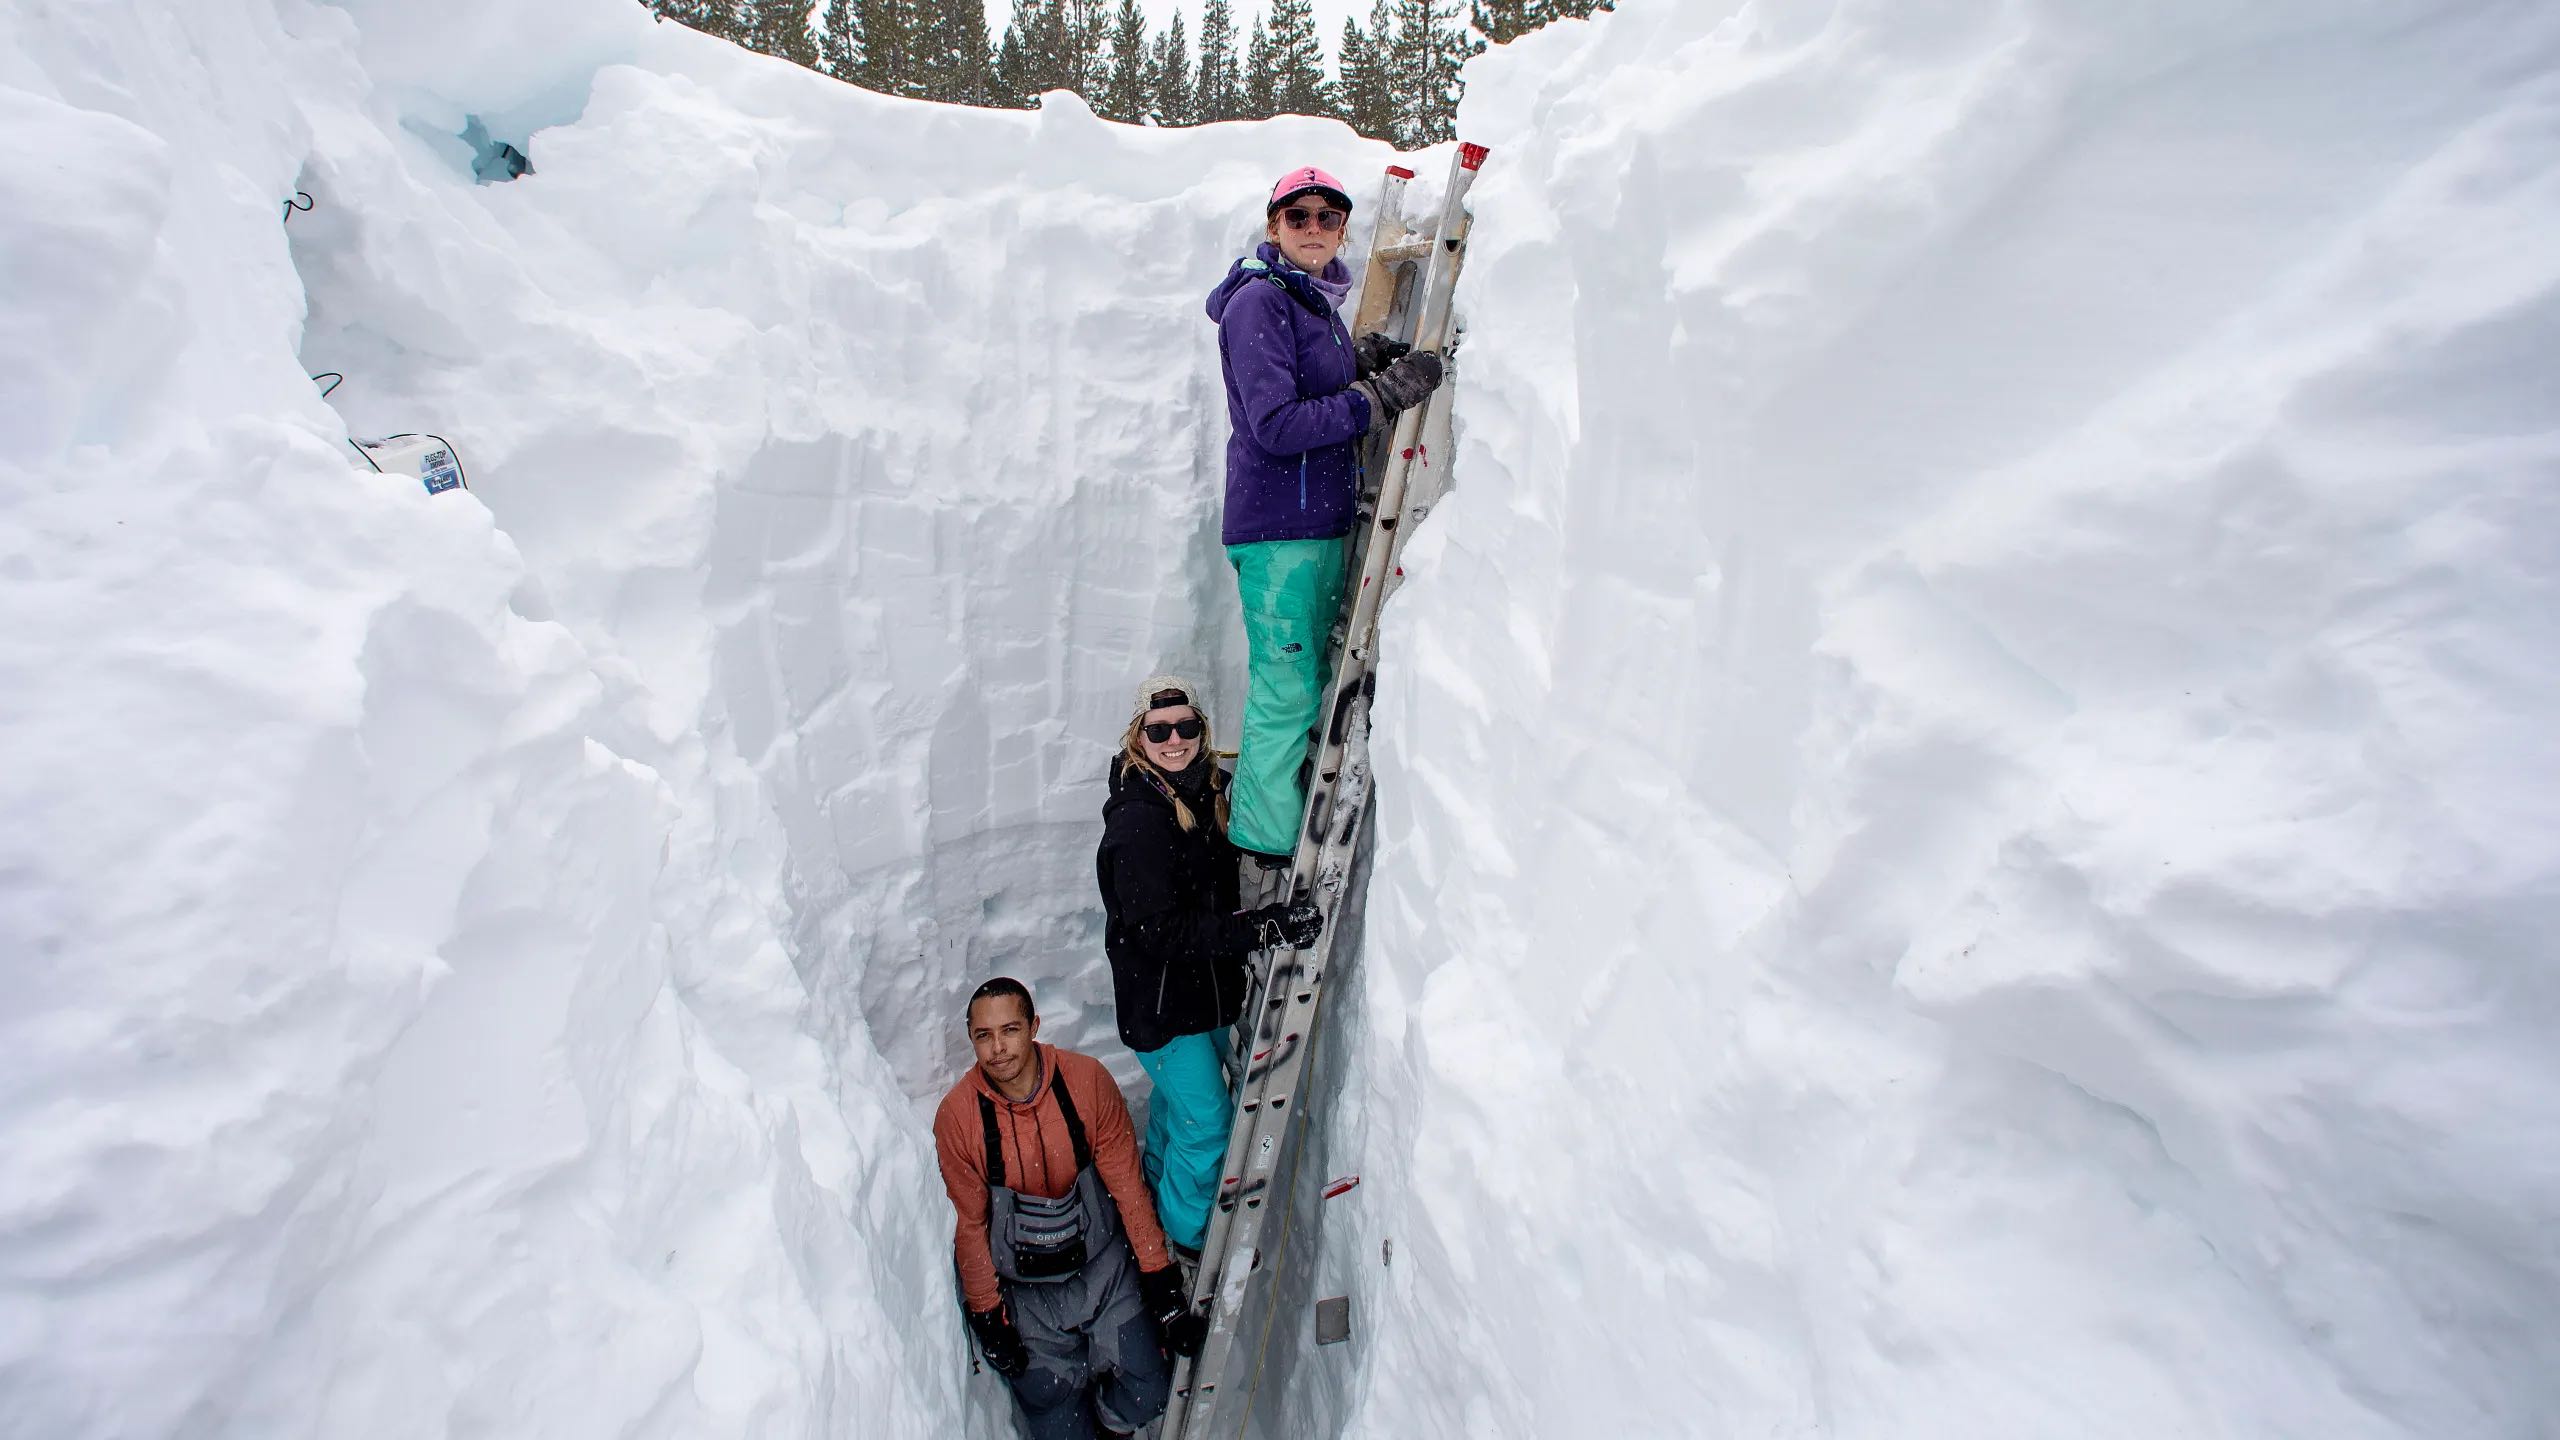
1327, 219
1160, 731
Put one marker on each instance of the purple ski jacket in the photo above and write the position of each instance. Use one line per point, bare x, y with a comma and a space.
1293, 457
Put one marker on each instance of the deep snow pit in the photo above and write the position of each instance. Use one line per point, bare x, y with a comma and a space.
1966, 837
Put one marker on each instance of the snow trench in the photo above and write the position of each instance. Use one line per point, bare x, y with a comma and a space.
1965, 829
891, 475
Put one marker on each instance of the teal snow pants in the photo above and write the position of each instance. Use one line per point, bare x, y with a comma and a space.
1290, 590
1187, 1123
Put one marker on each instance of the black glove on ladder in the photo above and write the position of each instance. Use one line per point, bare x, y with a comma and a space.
1294, 925
1375, 352
1169, 1303
1401, 386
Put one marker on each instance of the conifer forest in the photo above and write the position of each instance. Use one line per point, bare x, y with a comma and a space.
1394, 79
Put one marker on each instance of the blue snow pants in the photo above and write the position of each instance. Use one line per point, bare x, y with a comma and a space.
1187, 1131
1290, 590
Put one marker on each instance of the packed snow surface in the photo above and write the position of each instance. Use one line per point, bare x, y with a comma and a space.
1967, 830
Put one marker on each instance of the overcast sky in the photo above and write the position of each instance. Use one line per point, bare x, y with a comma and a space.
1329, 16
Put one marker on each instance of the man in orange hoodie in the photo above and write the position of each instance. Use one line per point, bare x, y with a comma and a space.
1062, 1264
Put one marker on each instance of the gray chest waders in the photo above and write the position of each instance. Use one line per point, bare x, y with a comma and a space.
1041, 1241
1069, 1277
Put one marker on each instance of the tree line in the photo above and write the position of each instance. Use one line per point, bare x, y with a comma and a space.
1397, 78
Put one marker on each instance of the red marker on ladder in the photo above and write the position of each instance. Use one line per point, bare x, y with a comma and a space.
1342, 1186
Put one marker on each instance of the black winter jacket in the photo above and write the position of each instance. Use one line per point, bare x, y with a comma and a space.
1177, 945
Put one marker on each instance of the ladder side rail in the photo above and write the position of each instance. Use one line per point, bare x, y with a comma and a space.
1428, 478
1277, 1040
1390, 238
1250, 1329
1430, 333
1271, 1031
1401, 313
1242, 1212
1389, 234
1394, 278
1293, 991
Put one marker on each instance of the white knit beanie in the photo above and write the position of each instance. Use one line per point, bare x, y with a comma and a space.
1156, 685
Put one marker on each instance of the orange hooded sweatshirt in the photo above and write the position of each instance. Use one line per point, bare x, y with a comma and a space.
1039, 1160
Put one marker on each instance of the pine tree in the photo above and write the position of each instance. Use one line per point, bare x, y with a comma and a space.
840, 42
1368, 95
1058, 46
1298, 86
711, 17
1124, 83
1395, 77
890, 43
780, 27
1221, 93
978, 76
1013, 78
951, 57
1261, 95
1034, 58
1169, 77
1428, 49
1389, 64
1502, 21
1088, 36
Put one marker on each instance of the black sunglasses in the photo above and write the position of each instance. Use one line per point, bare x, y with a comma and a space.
1160, 731
1327, 219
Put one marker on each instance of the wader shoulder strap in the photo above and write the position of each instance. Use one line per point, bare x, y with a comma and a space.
1075, 1122
995, 1144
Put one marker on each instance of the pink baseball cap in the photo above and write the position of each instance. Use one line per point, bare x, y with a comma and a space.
1303, 179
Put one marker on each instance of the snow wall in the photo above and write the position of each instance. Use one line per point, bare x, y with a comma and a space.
1967, 805
1968, 839
481, 963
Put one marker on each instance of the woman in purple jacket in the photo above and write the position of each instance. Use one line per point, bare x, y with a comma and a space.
1300, 394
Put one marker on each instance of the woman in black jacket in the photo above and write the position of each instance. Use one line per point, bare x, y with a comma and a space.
1177, 942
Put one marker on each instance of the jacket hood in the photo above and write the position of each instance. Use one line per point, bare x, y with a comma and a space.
1266, 262
1246, 271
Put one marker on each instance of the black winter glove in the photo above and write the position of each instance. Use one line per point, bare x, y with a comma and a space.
1000, 1342
1401, 386
1170, 1304
1294, 925
1375, 352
